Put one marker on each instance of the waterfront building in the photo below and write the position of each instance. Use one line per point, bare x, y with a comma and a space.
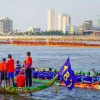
34, 30
51, 20
96, 30
87, 25
63, 19
70, 29
80, 29
6, 25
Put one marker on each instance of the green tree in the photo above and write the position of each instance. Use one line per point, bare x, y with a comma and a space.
66, 33
74, 33
82, 32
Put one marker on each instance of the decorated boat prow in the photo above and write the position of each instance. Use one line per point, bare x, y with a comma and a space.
21, 90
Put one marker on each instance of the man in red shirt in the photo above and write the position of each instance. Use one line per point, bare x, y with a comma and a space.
2, 70
10, 69
28, 69
20, 80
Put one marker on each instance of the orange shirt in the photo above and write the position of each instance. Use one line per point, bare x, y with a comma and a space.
2, 66
10, 65
20, 80
28, 61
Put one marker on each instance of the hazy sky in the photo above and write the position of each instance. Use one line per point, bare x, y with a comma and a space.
26, 13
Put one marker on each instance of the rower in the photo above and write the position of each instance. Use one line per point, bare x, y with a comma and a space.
93, 78
98, 79
43, 74
34, 73
18, 66
96, 74
50, 74
80, 73
87, 79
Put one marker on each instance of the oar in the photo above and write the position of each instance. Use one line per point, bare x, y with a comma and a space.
4, 82
38, 68
25, 81
55, 88
25, 87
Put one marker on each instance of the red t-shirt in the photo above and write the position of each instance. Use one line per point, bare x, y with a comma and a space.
2, 66
10, 65
20, 80
28, 61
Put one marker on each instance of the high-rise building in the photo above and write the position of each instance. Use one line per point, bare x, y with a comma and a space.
63, 19
87, 25
60, 21
51, 20
6, 25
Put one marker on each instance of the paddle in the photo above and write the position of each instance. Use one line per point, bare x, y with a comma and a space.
55, 88
25, 81
4, 82
38, 68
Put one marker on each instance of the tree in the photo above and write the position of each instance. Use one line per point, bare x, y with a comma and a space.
26, 33
66, 33
74, 33
82, 32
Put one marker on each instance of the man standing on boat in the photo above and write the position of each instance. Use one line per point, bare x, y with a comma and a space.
2, 70
28, 69
10, 69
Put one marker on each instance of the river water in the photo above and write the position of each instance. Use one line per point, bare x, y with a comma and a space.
81, 59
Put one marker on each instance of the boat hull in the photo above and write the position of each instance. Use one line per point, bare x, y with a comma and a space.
21, 90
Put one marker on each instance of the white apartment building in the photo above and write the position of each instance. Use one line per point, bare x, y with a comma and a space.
63, 19
60, 21
6, 25
51, 20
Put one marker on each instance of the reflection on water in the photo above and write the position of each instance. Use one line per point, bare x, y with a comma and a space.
81, 59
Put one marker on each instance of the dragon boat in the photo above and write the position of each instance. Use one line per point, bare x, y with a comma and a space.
94, 86
21, 90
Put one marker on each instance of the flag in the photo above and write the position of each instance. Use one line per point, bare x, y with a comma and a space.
68, 75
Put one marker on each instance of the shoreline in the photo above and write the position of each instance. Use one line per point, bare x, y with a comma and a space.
57, 41
73, 46
83, 38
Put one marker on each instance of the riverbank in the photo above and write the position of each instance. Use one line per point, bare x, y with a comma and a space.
83, 38
62, 41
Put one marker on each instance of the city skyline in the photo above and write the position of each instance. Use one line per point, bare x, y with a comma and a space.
26, 13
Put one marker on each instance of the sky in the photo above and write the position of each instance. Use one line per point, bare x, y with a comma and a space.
27, 13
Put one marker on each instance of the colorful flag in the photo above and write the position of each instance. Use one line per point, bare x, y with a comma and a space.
68, 75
